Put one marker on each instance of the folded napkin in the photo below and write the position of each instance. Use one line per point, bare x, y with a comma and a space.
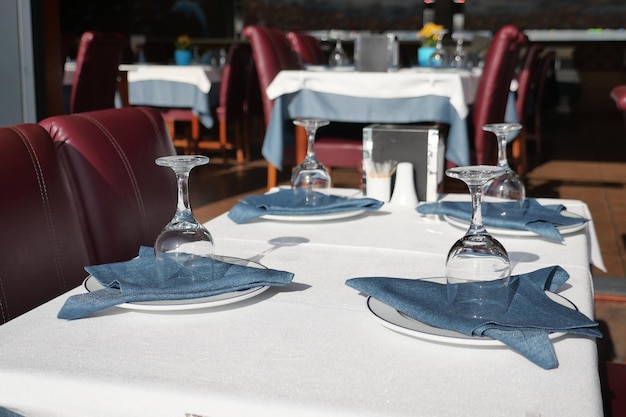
525, 326
530, 215
135, 280
5, 412
288, 202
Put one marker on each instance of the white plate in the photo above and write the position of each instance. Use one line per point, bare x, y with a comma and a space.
92, 284
563, 230
313, 217
401, 323
343, 68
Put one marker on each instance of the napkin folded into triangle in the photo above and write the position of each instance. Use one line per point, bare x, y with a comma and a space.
525, 327
529, 215
288, 202
136, 280
5, 412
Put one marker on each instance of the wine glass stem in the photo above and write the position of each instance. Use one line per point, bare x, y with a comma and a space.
310, 146
476, 226
502, 159
183, 210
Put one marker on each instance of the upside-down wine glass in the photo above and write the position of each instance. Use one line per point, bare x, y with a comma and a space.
477, 266
311, 175
458, 61
338, 56
439, 58
184, 243
508, 186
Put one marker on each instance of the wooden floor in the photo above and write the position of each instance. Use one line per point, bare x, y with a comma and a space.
584, 157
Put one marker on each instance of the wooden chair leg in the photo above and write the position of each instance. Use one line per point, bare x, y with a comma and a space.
272, 176
192, 146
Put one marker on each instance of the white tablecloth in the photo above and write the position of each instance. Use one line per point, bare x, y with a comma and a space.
196, 75
458, 85
309, 349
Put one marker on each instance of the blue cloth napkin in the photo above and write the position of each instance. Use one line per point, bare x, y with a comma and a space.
288, 202
135, 280
530, 215
5, 412
525, 326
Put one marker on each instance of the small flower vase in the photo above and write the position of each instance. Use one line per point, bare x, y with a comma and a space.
423, 55
182, 57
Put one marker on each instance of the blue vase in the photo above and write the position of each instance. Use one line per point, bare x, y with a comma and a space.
182, 57
423, 55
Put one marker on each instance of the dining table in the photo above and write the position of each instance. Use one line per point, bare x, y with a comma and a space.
314, 347
174, 86
341, 94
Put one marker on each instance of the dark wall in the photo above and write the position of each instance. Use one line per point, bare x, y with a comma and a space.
155, 18
214, 18
407, 14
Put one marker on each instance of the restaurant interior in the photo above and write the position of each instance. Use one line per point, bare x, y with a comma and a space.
574, 136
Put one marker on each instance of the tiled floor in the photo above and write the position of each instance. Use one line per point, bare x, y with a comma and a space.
584, 157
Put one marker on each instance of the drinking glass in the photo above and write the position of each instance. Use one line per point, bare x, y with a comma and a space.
310, 175
338, 55
477, 267
458, 61
439, 58
184, 244
509, 186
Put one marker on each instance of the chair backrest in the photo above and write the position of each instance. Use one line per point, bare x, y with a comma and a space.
41, 241
307, 48
233, 85
493, 90
272, 54
95, 79
527, 79
124, 199
544, 77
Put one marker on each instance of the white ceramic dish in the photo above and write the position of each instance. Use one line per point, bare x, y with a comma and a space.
398, 322
92, 284
313, 217
343, 68
499, 231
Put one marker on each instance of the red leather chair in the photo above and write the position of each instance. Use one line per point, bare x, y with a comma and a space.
493, 90
124, 198
307, 48
272, 54
618, 94
534, 125
95, 79
613, 381
527, 79
41, 241
232, 109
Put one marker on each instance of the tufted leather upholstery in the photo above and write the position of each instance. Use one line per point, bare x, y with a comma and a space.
307, 48
493, 90
95, 79
41, 242
124, 199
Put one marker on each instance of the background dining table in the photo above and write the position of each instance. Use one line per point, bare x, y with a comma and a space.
311, 348
409, 95
174, 86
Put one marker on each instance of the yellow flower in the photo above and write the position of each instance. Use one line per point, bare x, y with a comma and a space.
183, 42
427, 35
